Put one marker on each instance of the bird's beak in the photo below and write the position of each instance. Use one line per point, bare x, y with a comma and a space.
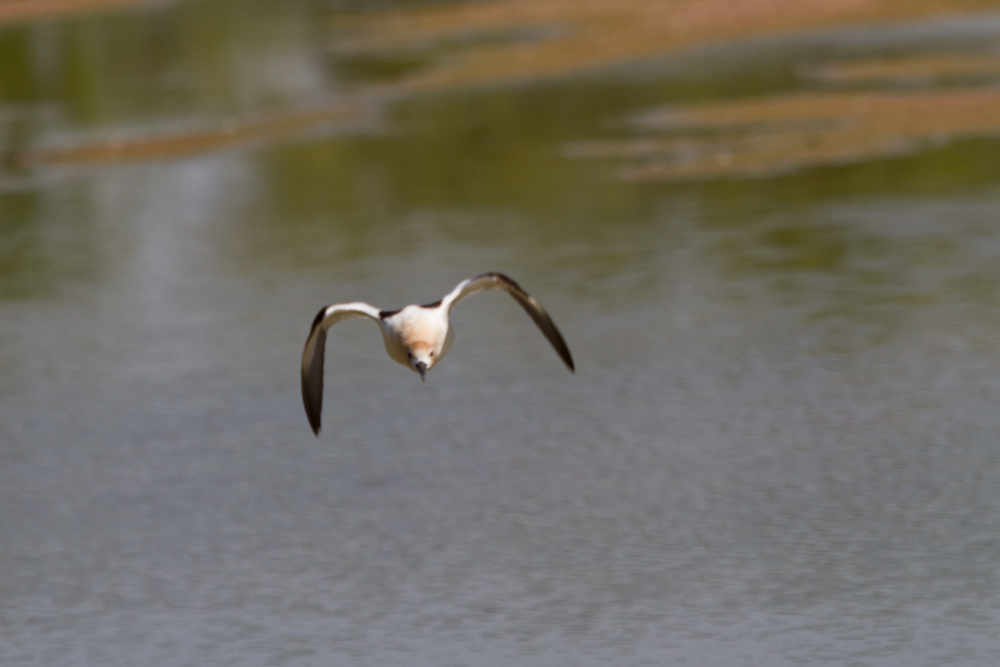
421, 368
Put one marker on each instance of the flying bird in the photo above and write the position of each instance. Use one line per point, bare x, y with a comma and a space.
417, 337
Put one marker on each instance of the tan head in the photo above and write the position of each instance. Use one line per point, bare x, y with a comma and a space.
421, 357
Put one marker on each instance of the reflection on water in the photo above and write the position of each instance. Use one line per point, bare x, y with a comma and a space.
778, 447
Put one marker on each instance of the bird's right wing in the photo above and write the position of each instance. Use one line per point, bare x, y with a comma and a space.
312, 355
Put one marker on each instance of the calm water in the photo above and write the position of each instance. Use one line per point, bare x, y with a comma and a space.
781, 445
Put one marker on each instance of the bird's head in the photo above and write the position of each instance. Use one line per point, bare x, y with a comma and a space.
422, 357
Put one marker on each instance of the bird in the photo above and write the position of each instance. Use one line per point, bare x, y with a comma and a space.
417, 337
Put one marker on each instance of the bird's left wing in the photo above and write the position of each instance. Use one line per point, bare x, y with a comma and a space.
312, 355
470, 286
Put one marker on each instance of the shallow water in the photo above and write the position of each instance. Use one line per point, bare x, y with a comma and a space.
780, 445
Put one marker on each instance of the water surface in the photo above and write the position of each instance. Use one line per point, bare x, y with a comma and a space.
779, 446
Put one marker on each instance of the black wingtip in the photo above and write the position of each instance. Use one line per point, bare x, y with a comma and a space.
541, 319
312, 382
567, 359
312, 410
314, 420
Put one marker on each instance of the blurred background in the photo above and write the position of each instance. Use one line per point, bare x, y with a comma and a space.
768, 229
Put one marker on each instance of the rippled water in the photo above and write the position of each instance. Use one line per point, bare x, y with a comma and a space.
780, 445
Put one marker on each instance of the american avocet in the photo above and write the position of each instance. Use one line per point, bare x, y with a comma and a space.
417, 337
